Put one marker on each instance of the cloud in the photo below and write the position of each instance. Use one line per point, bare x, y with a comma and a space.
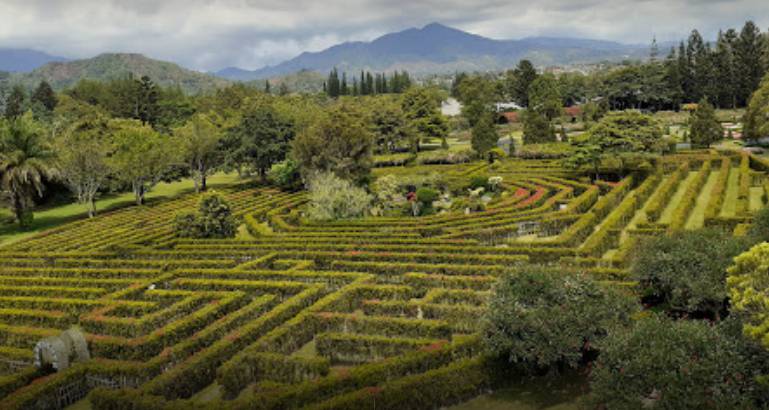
211, 34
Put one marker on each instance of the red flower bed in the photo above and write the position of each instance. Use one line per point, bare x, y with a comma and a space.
532, 199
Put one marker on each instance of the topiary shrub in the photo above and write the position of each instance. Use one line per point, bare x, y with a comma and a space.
479, 181
334, 198
666, 364
213, 220
426, 196
540, 319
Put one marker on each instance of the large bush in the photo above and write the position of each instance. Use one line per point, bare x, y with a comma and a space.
542, 319
213, 220
286, 175
665, 364
334, 198
748, 289
686, 272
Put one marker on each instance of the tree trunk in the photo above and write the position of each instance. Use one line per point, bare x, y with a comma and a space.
263, 175
18, 208
139, 193
91, 208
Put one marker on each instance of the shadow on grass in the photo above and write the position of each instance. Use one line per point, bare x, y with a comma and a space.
538, 393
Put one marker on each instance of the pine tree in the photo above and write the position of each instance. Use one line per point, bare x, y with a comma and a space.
14, 104
484, 135
45, 96
147, 109
343, 88
333, 83
697, 55
525, 74
673, 79
724, 68
267, 86
654, 50
536, 128
685, 72
705, 128
369, 83
748, 50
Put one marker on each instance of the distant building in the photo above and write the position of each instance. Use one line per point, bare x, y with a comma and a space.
507, 106
451, 107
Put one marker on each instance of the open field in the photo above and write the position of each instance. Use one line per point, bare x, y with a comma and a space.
328, 315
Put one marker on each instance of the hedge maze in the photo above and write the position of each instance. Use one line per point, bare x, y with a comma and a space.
355, 314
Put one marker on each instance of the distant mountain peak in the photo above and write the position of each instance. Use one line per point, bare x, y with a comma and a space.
109, 66
437, 48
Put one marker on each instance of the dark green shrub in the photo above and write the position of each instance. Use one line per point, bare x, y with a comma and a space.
286, 175
541, 319
426, 196
759, 229
686, 272
479, 181
665, 364
213, 220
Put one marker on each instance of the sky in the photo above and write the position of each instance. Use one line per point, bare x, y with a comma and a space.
207, 35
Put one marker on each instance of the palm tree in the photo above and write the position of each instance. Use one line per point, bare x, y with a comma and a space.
25, 164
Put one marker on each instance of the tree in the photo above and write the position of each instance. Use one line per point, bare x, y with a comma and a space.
140, 157
536, 128
545, 97
422, 107
334, 198
198, 141
520, 81
390, 126
484, 136
338, 142
686, 272
15, 104
756, 118
748, 50
705, 128
615, 136
665, 364
542, 318
83, 151
25, 164
214, 219
748, 285
45, 96
477, 95
147, 101
260, 139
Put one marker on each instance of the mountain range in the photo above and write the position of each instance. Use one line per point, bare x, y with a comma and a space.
109, 66
19, 59
432, 49
437, 49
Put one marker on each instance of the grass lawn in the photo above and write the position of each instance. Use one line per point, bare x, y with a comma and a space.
48, 218
697, 217
667, 214
756, 198
729, 207
562, 393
